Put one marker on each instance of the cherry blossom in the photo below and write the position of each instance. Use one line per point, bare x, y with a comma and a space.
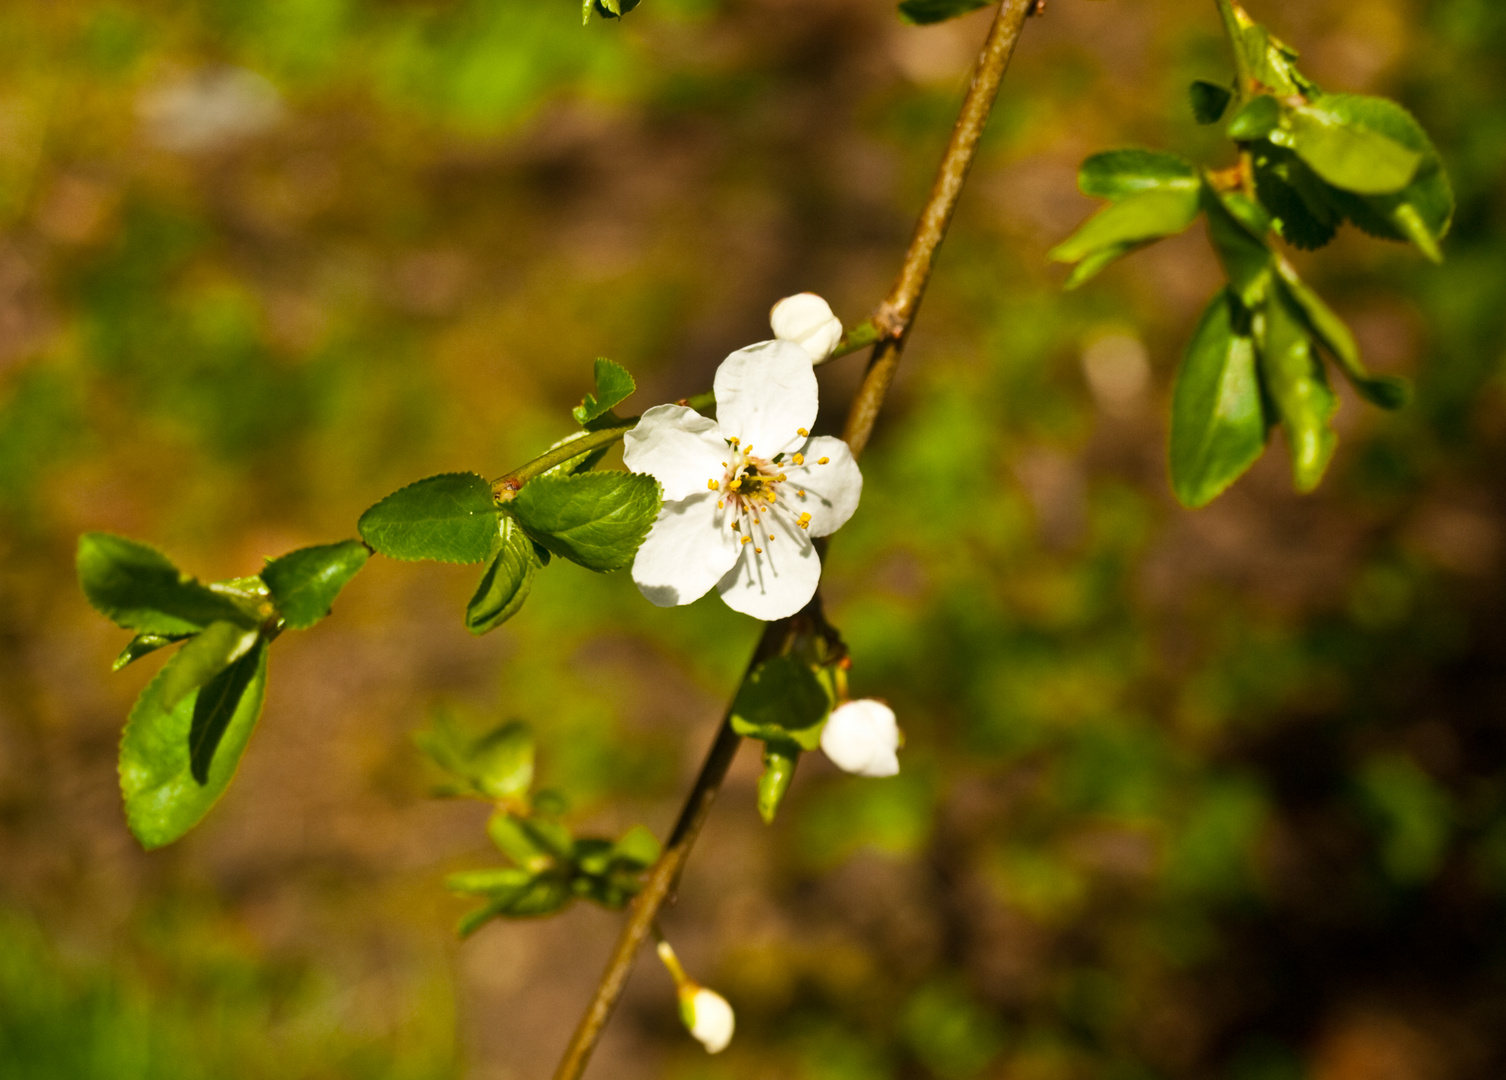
863, 737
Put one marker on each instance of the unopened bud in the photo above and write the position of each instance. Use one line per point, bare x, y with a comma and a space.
708, 1016
862, 737
807, 320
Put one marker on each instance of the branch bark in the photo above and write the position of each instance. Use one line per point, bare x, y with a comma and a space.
893, 319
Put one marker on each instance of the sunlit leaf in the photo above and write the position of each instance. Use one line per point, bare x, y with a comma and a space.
304, 583
1148, 215
447, 518
781, 700
142, 645
496, 765
1246, 259
1294, 379
139, 588
206, 655
1118, 174
1331, 332
506, 582
596, 519
614, 385
1258, 118
1334, 138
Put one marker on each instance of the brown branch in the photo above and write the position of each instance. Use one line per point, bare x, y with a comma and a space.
893, 319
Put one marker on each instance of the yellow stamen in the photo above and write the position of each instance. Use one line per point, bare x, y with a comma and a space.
782, 477
801, 494
724, 464
748, 449
801, 431
747, 539
734, 440
758, 551
799, 459
771, 536
720, 503
712, 485
805, 521
822, 461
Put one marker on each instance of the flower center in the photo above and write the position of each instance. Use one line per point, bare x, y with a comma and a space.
751, 489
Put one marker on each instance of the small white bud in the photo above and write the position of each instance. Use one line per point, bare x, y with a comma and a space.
862, 737
807, 320
708, 1016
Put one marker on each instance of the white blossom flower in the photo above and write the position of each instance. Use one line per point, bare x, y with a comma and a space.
807, 320
862, 737
708, 1016
744, 493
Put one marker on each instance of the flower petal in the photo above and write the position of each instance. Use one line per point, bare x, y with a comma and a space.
780, 579
678, 447
690, 548
807, 320
831, 491
765, 394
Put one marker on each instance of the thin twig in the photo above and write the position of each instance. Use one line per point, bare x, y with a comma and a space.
893, 319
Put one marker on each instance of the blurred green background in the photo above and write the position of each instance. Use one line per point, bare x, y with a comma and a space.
1185, 794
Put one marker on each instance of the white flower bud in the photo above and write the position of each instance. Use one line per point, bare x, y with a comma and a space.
862, 737
708, 1016
807, 320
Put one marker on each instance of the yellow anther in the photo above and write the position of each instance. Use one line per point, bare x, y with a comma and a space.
724, 464
734, 440
747, 539
712, 485
720, 503
782, 477
805, 519
801, 494
799, 459
771, 536
822, 461
758, 551
748, 449
801, 431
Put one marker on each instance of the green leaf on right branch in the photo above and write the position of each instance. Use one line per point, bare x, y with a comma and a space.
596, 519
1331, 332
614, 385
1218, 423
1118, 174
139, 588
1294, 379
1246, 258
506, 582
176, 763
497, 765
926, 12
447, 518
1209, 101
204, 657
304, 583
781, 700
1333, 138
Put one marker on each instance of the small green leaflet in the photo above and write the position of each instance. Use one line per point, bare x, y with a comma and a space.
1118, 174
175, 763
497, 765
1293, 376
304, 583
1123, 226
781, 700
446, 518
1246, 259
506, 582
780, 756
140, 589
1258, 118
926, 12
143, 644
596, 519
511, 892
205, 656
1345, 151
613, 386
1218, 424
1209, 101
1330, 331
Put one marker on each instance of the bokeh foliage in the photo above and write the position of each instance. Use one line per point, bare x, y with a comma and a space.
1218, 793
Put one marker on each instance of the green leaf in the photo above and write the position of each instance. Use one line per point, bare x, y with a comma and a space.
506, 582
1209, 101
779, 760
176, 763
1118, 174
140, 589
638, 847
1304, 210
781, 700
1293, 378
1258, 118
1097, 262
304, 583
1136, 219
141, 645
204, 657
926, 12
447, 518
524, 843
613, 386
498, 765
1332, 333
1421, 212
1218, 423
1344, 150
1246, 259
514, 894
584, 462
596, 519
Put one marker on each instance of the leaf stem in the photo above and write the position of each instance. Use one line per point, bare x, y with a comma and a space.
1235, 22
890, 328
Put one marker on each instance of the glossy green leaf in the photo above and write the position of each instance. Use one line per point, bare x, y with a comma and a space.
926, 12
1303, 207
304, 583
506, 582
139, 588
1218, 423
497, 765
1346, 151
1209, 101
1118, 174
1245, 257
596, 519
1097, 262
780, 758
1294, 380
1332, 333
176, 763
781, 700
447, 518
613, 386
143, 644
1136, 219
206, 655
1422, 211
1258, 118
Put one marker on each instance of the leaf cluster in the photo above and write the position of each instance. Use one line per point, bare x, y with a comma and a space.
550, 867
1308, 162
